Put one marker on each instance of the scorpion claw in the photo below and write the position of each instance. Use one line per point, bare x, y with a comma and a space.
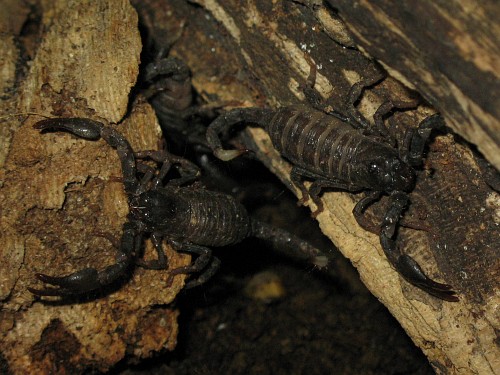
411, 271
78, 282
49, 292
81, 127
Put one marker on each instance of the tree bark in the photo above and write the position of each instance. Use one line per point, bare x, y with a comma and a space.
72, 59
447, 50
254, 53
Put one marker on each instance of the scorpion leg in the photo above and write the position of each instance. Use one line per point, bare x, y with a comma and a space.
188, 171
314, 98
354, 95
157, 264
296, 177
93, 130
319, 184
298, 174
89, 279
403, 263
310, 93
203, 260
223, 124
416, 139
148, 174
388, 107
361, 206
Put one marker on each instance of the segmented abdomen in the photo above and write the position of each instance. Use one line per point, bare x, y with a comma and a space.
320, 143
214, 219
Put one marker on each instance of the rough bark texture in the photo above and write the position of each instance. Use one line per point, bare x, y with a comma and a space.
72, 59
447, 50
253, 52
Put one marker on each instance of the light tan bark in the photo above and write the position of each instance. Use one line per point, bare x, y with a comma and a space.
57, 191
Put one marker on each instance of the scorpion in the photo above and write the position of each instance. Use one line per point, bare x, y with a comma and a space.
170, 93
339, 150
191, 219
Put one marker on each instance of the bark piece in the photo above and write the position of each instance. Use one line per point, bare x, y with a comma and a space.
449, 51
57, 191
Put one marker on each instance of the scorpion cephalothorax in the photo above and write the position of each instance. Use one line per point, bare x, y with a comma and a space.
341, 151
187, 216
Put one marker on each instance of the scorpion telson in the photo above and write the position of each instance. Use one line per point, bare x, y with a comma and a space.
341, 151
189, 218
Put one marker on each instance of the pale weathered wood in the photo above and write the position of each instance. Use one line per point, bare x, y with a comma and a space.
253, 52
57, 191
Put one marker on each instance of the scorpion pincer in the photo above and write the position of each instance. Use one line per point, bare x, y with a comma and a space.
340, 151
189, 218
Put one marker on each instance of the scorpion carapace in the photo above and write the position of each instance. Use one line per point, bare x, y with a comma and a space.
340, 151
188, 217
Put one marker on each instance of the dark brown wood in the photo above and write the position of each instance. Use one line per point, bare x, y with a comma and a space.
447, 50
254, 53
251, 52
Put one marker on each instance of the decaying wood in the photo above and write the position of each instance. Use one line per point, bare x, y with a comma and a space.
448, 50
253, 52
57, 191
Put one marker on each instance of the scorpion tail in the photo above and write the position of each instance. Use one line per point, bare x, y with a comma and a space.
282, 239
222, 125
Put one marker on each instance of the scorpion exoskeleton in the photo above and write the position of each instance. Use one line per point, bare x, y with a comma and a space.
339, 150
189, 218
170, 92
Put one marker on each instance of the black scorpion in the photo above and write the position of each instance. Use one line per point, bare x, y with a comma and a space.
170, 92
189, 218
339, 150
